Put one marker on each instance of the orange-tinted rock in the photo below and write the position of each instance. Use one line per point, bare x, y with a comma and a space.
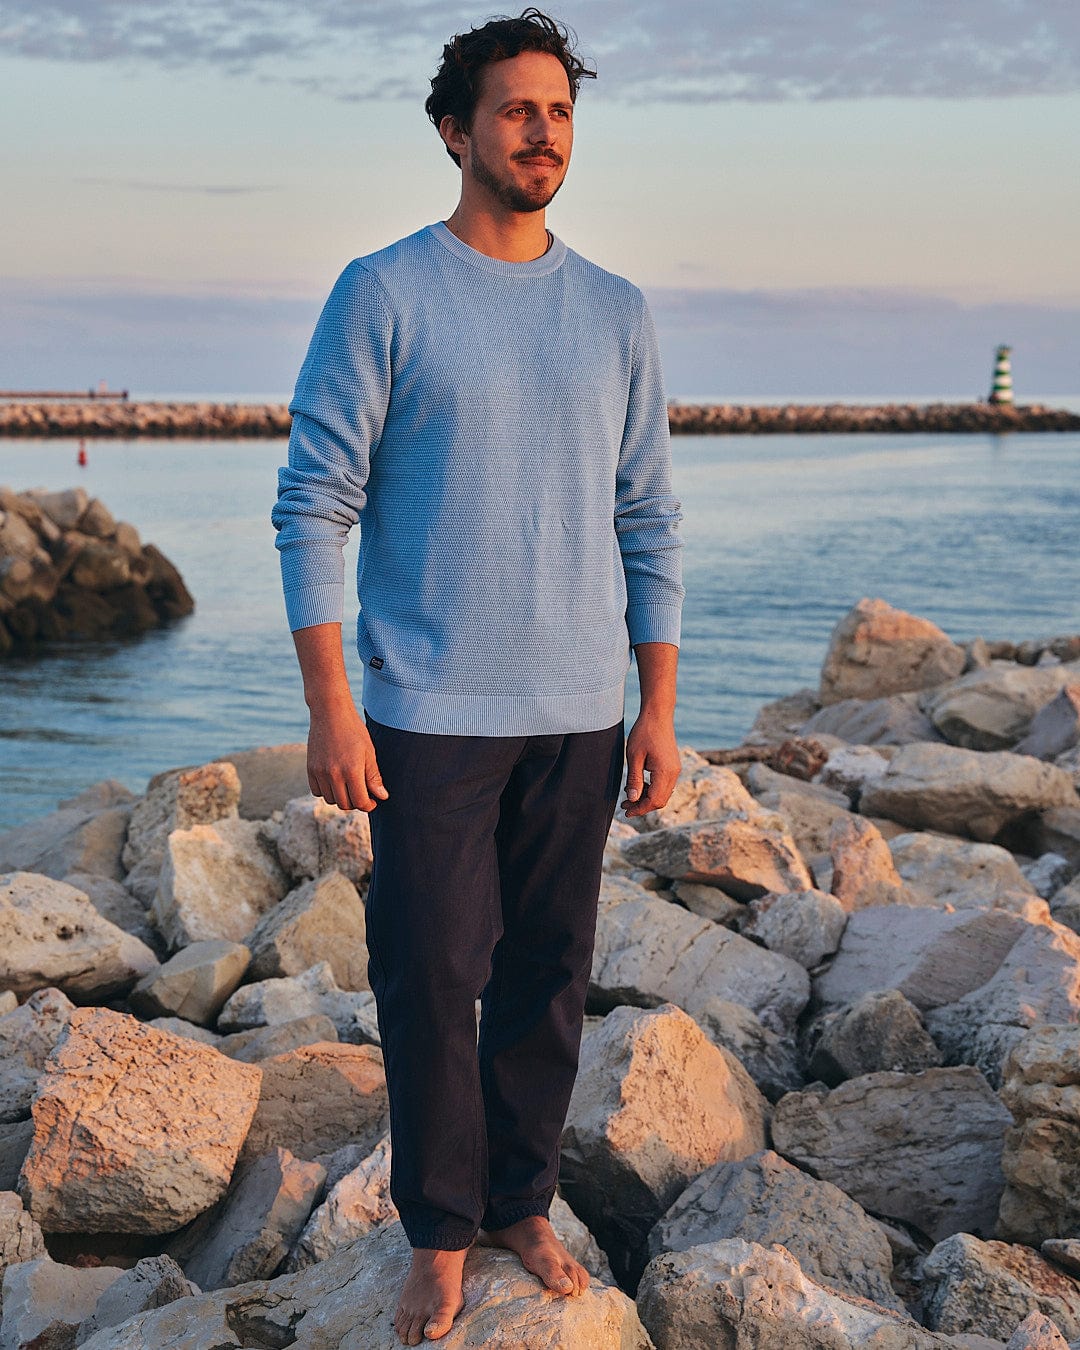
876, 650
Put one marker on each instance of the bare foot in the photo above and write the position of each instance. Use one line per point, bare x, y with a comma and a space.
431, 1297
542, 1253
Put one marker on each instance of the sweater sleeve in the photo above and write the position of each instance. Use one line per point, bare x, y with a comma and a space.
646, 512
339, 409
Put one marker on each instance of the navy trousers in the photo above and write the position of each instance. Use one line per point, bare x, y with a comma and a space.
487, 868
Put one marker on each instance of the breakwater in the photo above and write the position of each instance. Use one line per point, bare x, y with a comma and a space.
269, 420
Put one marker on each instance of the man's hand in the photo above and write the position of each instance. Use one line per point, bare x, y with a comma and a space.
341, 765
651, 747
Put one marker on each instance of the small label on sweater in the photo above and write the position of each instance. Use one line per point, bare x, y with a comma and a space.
376, 663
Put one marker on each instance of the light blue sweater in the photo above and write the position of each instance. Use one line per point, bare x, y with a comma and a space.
499, 430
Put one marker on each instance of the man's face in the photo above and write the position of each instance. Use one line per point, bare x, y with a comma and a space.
518, 148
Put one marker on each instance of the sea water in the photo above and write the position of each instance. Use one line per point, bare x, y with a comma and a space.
783, 534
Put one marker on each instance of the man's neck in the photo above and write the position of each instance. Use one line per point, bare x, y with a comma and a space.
509, 236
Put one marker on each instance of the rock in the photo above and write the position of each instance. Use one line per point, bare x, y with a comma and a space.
896, 720
317, 838
1037, 1332
959, 873
772, 1061
342, 1304
1048, 874
262, 1216
8, 1001
322, 920
44, 1302
20, 1237
850, 768
650, 952
73, 839
27, 1036
655, 1103
964, 792
1041, 1160
51, 935
1038, 981
1065, 905
14, 1145
216, 882
742, 858
106, 1153
703, 792
880, 1032
270, 776
150, 1283
177, 1026
709, 902
347, 1082
273, 1002
1055, 728
578, 1241
265, 1042
862, 867
177, 800
990, 1287
1058, 831
808, 810
876, 650
805, 926
733, 1293
355, 1204
993, 709
922, 1148
783, 717
764, 1199
117, 904
64, 508
193, 984
1064, 1252
931, 956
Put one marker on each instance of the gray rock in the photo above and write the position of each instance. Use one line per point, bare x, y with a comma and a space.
194, 984
578, 1241
704, 791
116, 903
317, 838
708, 901
764, 1199
177, 800
321, 920
896, 720
27, 1036
743, 858
960, 873
355, 1204
270, 776
64, 508
990, 1287
1038, 981
876, 650
179, 1026
1057, 830
14, 1144
264, 1042
1063, 1252
73, 839
1055, 728
1037, 1332
805, 926
150, 1283
807, 810
51, 935
273, 1002
1048, 873
772, 1061
993, 709
20, 1237
964, 792
1065, 905
44, 1302
880, 1032
922, 1148
931, 956
851, 768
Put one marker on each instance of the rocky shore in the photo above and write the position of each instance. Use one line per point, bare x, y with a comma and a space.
231, 420
829, 1093
69, 571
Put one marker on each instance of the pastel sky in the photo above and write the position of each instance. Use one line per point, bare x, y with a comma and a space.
820, 197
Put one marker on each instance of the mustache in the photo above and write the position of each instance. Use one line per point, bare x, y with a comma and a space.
555, 159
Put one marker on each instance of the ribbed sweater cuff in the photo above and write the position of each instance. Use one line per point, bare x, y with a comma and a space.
654, 623
310, 605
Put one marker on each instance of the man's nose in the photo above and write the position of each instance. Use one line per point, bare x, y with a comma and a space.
542, 129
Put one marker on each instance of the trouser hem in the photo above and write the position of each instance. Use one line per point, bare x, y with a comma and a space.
440, 1242
502, 1216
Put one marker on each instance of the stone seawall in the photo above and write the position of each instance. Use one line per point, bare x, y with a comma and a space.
269, 420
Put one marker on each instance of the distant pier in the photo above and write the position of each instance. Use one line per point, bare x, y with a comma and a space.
231, 421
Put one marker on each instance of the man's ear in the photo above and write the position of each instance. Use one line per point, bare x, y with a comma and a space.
451, 131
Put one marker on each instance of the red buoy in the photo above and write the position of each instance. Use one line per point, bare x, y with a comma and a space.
81, 457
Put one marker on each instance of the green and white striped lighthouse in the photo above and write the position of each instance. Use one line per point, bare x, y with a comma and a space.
1001, 391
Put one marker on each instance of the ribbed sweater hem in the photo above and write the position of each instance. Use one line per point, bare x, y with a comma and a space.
490, 714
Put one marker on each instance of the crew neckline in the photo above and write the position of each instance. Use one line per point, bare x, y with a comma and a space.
547, 262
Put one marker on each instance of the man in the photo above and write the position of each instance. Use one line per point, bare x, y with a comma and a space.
489, 406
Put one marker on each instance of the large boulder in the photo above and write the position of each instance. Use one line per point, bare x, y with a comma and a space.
85, 835
107, 1154
321, 920
354, 1205
964, 792
317, 837
879, 1032
960, 873
923, 1148
347, 1302
993, 709
177, 800
1055, 728
805, 926
989, 1287
729, 1294
1037, 1332
216, 882
194, 983
932, 956
313, 992
772, 1060
149, 1283
51, 935
27, 1036
650, 952
742, 857
704, 791
1038, 981
863, 873
655, 1103
895, 720
1041, 1161
764, 1199
876, 650
270, 776
807, 810
45, 1301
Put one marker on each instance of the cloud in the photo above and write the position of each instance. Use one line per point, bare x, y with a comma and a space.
685, 50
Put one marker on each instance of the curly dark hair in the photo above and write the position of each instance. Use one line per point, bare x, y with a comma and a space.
455, 87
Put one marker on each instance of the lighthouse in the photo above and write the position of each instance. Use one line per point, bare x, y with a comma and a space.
1001, 390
